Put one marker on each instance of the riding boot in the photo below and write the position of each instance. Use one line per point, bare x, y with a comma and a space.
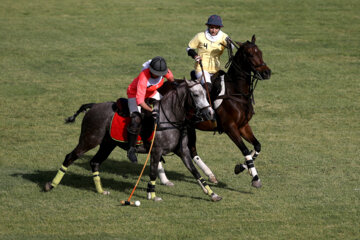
131, 153
193, 75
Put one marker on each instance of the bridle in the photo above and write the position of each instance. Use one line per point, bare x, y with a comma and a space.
254, 73
180, 125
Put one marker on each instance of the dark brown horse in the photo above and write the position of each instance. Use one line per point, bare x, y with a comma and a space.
234, 106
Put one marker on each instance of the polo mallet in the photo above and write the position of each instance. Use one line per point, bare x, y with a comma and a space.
128, 202
206, 86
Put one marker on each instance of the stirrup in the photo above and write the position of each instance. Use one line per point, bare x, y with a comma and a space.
131, 154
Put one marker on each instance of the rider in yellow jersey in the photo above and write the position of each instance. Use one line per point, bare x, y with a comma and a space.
210, 45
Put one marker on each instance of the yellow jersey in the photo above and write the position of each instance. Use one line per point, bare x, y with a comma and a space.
209, 50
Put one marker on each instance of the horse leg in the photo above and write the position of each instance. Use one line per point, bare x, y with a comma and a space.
154, 162
184, 154
248, 135
106, 147
234, 134
78, 151
161, 173
196, 158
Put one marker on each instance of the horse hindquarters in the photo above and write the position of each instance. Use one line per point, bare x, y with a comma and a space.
93, 129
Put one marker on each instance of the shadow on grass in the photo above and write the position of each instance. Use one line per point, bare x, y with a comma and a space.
73, 180
125, 169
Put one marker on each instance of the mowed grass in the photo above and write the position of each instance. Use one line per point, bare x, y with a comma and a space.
55, 56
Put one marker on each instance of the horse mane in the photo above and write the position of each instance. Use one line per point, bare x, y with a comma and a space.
170, 86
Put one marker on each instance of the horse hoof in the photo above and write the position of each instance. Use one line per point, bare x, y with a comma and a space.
239, 168
48, 187
157, 199
256, 184
215, 197
105, 193
213, 179
169, 184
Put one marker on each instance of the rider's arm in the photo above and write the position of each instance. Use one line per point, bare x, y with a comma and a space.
169, 76
145, 106
141, 91
193, 44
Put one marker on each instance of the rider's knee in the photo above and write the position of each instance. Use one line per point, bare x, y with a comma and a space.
135, 122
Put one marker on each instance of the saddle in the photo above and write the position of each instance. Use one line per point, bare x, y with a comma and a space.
121, 120
121, 107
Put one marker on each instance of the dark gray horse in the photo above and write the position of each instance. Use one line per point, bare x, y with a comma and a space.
175, 110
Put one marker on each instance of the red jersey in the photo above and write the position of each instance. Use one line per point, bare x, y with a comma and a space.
143, 86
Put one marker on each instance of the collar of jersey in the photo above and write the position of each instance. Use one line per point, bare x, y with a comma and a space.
213, 38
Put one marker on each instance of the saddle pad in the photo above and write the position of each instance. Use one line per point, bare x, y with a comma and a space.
118, 129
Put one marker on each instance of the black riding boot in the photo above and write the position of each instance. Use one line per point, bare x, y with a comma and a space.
131, 153
133, 131
193, 75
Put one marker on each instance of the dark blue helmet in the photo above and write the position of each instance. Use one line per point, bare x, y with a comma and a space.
215, 20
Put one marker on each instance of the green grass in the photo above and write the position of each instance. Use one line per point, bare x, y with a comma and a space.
57, 55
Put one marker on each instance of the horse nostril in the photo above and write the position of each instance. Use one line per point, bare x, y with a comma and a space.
267, 74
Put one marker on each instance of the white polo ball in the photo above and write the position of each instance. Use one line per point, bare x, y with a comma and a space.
137, 203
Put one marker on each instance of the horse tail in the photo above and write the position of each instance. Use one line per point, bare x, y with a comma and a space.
83, 108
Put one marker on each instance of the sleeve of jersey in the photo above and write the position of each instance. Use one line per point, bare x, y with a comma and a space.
194, 43
224, 40
169, 74
141, 88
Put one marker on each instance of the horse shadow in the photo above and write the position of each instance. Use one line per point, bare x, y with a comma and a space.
127, 169
122, 168
73, 180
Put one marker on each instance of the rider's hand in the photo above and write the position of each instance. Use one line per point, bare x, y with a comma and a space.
197, 58
155, 114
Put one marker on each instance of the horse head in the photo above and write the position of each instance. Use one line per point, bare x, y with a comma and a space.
198, 96
250, 55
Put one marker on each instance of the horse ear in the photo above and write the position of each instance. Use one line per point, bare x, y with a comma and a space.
238, 43
253, 39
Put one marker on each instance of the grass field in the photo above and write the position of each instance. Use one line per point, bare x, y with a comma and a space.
57, 55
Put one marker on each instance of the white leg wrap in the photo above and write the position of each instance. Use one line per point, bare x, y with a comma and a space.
254, 153
202, 166
162, 175
252, 170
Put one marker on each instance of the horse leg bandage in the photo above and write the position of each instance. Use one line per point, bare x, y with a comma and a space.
202, 166
97, 182
205, 187
162, 175
254, 154
251, 166
151, 190
60, 174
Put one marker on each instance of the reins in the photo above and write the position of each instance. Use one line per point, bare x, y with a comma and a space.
254, 77
180, 125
